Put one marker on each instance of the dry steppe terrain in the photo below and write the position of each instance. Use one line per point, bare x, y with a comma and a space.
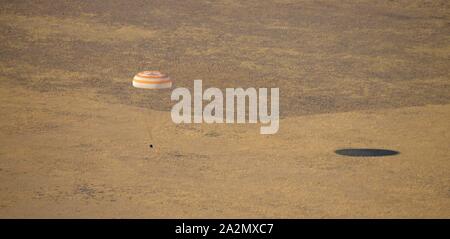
74, 138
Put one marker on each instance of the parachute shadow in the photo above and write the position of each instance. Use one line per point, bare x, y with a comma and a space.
366, 152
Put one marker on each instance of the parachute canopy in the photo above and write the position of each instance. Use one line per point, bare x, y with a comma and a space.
152, 80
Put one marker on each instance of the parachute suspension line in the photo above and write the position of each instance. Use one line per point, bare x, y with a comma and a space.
148, 128
142, 118
152, 80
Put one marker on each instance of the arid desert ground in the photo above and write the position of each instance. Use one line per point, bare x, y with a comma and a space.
74, 140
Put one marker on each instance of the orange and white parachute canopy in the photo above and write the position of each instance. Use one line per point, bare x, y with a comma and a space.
152, 80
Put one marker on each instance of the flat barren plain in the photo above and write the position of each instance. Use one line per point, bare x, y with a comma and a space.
74, 138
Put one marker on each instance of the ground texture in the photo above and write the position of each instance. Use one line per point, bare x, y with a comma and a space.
74, 134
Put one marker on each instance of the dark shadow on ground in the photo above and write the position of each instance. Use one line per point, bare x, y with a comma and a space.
366, 152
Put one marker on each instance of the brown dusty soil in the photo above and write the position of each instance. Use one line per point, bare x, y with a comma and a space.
370, 74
